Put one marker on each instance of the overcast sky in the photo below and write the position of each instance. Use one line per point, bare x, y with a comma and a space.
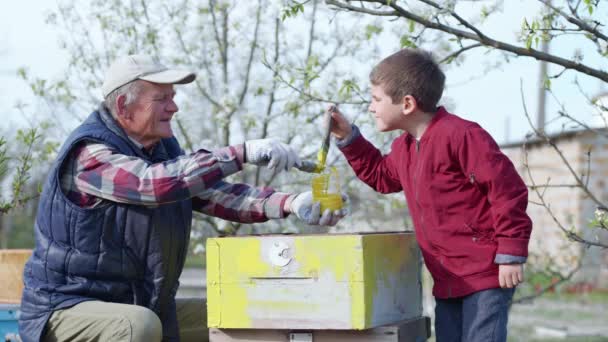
490, 98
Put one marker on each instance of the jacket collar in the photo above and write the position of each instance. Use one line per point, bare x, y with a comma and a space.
439, 114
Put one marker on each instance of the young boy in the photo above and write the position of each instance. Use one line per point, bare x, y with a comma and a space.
467, 202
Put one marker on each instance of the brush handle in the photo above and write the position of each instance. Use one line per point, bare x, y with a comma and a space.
322, 155
319, 166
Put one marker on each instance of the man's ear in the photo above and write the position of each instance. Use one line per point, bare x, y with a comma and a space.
121, 107
409, 104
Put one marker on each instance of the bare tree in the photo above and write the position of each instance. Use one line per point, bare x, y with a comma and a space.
264, 69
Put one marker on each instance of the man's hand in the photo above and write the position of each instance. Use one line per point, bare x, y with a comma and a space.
308, 211
510, 275
271, 152
340, 127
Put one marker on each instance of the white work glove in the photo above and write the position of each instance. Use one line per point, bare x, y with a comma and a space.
271, 152
308, 211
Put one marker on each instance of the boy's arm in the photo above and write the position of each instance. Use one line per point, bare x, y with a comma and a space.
484, 164
378, 171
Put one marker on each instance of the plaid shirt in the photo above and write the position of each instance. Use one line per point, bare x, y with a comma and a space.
95, 173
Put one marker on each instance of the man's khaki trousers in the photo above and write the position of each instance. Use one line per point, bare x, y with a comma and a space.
94, 321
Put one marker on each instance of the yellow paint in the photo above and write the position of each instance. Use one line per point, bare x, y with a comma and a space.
358, 316
242, 256
330, 197
344, 272
318, 254
321, 160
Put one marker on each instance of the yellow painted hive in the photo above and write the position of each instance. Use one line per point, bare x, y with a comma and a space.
339, 281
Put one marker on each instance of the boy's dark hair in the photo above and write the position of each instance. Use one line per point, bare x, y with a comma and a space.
410, 72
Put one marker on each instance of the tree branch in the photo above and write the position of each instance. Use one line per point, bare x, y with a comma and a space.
254, 44
454, 55
576, 21
362, 9
220, 42
571, 235
552, 286
309, 96
485, 40
273, 89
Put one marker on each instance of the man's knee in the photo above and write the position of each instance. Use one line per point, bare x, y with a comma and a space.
145, 325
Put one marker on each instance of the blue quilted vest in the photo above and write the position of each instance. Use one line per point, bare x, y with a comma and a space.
115, 252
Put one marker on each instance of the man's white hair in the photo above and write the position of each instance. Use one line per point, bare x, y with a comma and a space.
130, 90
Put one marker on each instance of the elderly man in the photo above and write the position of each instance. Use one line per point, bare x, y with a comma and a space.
115, 214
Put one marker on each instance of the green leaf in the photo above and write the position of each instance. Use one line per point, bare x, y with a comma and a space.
412, 26
22, 73
590, 5
291, 11
406, 42
348, 86
371, 30
484, 12
292, 108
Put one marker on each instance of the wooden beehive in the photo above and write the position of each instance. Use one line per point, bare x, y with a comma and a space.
339, 281
11, 273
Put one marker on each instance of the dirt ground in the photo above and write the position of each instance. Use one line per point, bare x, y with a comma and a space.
555, 318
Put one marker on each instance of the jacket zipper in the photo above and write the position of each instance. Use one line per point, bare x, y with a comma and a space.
422, 224
171, 272
416, 177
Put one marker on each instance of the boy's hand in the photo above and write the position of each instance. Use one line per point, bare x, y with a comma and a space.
340, 127
510, 275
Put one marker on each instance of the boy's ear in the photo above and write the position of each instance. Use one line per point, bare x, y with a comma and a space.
409, 104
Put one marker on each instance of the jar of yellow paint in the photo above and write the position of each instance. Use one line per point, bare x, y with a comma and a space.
326, 189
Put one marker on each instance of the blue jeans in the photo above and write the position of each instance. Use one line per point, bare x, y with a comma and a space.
481, 316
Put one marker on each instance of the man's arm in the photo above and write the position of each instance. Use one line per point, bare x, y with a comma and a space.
241, 202
97, 171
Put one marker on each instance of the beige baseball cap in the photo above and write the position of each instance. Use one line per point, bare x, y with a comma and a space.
141, 67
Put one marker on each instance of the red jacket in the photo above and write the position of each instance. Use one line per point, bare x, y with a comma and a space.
465, 197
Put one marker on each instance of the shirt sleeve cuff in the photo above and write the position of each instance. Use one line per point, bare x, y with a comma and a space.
273, 206
509, 259
230, 158
512, 246
349, 139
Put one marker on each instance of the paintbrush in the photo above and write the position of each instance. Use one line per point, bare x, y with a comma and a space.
319, 166
322, 155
